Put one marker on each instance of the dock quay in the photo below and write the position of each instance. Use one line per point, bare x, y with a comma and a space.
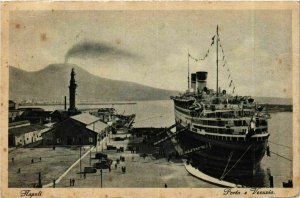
151, 160
146, 165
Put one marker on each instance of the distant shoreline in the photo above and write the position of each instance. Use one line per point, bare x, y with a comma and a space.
272, 108
83, 103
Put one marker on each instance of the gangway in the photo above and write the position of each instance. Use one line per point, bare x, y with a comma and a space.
168, 136
166, 129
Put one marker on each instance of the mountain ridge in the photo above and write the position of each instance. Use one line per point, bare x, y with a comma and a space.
51, 84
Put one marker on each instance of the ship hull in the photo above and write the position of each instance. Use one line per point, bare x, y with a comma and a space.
213, 158
225, 159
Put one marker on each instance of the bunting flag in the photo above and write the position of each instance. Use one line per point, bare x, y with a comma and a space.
198, 59
193, 58
207, 52
231, 83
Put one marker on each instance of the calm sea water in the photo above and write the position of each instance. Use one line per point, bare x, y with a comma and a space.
280, 142
161, 114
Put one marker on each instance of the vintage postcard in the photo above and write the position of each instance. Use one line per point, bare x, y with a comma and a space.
149, 99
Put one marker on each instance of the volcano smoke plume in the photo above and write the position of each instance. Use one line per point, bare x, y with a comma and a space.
89, 49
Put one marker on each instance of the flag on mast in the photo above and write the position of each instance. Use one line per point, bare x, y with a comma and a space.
213, 40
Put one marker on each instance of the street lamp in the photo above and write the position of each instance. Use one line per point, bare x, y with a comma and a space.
91, 141
80, 160
40, 180
101, 177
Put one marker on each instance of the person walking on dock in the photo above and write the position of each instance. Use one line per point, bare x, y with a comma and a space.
73, 182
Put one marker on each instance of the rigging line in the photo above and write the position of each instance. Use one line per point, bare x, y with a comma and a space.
281, 156
229, 158
225, 63
238, 160
206, 54
279, 144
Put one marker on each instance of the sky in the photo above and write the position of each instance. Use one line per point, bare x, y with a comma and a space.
150, 47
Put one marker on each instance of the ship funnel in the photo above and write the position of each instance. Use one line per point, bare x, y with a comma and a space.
193, 81
201, 77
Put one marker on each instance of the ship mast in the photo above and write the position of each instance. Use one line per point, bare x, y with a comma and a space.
217, 61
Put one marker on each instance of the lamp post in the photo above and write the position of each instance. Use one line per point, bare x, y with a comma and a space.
101, 177
91, 141
80, 161
40, 180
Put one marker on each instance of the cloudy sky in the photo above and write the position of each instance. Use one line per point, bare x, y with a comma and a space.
150, 47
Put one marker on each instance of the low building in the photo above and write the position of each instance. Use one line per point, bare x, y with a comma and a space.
35, 115
22, 133
82, 129
13, 115
13, 111
12, 105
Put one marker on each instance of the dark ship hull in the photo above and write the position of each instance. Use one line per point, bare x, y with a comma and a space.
218, 155
213, 158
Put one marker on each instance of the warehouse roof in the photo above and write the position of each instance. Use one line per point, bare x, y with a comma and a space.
25, 129
18, 123
97, 127
85, 118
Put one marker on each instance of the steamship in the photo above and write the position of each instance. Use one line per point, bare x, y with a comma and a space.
222, 134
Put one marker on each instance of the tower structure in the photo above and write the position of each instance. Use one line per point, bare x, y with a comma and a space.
72, 91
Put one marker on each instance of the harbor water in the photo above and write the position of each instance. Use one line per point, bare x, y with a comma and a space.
161, 114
